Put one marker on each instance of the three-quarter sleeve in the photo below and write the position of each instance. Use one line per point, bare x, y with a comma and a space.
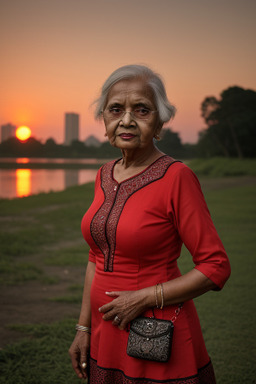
195, 227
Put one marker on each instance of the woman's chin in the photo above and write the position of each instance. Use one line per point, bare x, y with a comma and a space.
126, 143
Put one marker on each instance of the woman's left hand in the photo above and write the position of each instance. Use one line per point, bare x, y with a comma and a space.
126, 306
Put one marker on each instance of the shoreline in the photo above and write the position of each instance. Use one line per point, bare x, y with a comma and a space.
39, 165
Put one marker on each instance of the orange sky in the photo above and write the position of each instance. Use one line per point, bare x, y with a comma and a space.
55, 55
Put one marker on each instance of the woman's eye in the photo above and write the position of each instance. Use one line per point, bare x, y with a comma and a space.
142, 111
115, 110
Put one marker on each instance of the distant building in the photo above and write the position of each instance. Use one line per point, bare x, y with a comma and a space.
91, 141
71, 127
7, 131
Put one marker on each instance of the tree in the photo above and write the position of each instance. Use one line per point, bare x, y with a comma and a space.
231, 123
170, 143
107, 151
50, 143
14, 147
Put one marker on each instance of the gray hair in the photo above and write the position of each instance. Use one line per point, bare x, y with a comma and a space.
165, 109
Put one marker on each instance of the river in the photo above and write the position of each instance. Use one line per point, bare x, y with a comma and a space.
26, 182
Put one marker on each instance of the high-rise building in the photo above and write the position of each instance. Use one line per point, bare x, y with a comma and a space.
7, 131
71, 127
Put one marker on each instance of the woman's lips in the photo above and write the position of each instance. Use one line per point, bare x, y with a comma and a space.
127, 136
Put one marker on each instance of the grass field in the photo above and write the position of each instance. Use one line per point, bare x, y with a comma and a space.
40, 239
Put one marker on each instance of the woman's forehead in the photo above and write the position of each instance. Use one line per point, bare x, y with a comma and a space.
134, 89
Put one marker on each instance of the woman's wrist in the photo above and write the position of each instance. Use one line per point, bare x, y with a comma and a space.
149, 297
82, 328
159, 296
85, 319
154, 296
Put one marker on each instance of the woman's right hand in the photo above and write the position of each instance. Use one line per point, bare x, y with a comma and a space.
79, 352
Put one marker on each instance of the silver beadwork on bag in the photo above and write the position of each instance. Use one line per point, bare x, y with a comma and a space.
150, 339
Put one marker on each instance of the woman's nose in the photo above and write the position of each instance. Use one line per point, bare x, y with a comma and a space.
127, 118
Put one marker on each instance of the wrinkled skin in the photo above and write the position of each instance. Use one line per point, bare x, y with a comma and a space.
127, 305
79, 351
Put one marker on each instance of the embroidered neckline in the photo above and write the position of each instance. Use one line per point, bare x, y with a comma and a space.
105, 221
137, 174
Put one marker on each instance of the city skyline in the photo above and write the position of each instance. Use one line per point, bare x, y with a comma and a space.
71, 132
56, 56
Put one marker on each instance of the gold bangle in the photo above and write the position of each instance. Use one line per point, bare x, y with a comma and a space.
162, 296
159, 297
156, 296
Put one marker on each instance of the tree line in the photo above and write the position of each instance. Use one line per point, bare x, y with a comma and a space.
170, 143
230, 131
230, 124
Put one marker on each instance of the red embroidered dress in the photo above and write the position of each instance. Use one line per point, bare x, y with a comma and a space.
135, 230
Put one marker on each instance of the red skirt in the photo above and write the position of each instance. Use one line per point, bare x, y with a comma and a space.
109, 363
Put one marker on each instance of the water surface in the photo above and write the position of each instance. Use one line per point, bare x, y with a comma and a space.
26, 182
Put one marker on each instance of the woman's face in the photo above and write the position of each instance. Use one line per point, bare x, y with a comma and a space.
128, 132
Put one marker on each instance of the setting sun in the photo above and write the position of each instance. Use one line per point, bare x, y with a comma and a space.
23, 133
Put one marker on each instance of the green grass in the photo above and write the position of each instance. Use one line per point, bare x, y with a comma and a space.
227, 317
41, 358
40, 227
73, 299
74, 295
17, 273
222, 167
75, 288
73, 196
68, 256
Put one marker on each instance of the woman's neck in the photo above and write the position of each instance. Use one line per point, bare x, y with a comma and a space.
136, 159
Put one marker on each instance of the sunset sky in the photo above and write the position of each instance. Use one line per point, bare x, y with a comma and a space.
55, 55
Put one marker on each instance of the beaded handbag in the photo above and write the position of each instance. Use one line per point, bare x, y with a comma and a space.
151, 338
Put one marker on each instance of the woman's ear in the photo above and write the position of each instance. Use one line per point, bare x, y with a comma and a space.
158, 130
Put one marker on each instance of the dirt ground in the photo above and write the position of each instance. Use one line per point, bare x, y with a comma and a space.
29, 303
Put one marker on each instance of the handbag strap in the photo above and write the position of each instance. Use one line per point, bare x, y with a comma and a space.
176, 313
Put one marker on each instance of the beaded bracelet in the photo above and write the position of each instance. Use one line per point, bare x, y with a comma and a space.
83, 329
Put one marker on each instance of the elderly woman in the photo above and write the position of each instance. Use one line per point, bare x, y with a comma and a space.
146, 205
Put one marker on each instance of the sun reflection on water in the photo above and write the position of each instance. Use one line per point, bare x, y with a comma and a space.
22, 160
23, 182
